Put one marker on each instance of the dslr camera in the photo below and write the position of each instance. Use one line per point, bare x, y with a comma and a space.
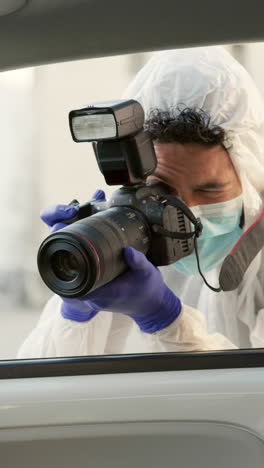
88, 252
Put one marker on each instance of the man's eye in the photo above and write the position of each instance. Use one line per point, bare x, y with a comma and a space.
212, 190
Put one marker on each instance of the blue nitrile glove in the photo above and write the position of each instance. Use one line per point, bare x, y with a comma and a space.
55, 213
139, 293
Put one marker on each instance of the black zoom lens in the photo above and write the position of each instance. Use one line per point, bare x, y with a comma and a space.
89, 253
64, 265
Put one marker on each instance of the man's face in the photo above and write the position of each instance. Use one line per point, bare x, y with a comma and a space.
198, 174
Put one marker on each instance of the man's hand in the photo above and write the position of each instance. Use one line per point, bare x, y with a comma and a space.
139, 293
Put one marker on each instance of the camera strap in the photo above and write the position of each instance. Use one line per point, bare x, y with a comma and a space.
244, 251
177, 203
198, 227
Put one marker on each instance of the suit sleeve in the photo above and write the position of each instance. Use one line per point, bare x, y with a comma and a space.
187, 333
55, 336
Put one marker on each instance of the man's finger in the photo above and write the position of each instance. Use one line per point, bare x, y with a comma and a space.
56, 213
57, 227
99, 195
136, 260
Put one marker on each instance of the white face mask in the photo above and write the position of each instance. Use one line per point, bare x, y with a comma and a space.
220, 232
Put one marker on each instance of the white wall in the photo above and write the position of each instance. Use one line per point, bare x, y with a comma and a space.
254, 62
67, 169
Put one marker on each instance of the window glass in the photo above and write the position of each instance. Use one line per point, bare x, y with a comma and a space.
42, 166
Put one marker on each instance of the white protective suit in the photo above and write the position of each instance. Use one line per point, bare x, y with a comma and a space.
207, 78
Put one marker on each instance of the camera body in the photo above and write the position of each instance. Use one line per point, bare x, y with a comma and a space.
147, 202
88, 252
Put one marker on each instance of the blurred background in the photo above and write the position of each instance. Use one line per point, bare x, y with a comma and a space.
41, 165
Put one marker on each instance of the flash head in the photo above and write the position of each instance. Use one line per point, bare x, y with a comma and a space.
124, 151
106, 120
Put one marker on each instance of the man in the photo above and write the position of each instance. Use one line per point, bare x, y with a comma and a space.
207, 122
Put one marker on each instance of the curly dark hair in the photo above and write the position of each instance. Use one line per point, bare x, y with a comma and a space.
187, 125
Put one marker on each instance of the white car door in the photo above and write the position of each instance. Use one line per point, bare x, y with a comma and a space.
190, 410
194, 410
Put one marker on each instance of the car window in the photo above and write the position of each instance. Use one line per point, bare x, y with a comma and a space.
43, 166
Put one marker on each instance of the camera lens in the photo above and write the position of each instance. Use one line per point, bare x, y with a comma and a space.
89, 253
64, 265
67, 263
